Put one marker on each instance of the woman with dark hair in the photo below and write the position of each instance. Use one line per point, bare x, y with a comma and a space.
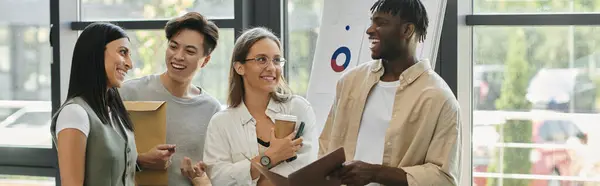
243, 133
92, 130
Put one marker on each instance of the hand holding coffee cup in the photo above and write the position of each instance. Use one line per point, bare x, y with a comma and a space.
281, 149
285, 125
282, 140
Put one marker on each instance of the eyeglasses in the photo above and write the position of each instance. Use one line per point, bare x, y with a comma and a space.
262, 60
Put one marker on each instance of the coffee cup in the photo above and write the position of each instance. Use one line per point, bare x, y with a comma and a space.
284, 125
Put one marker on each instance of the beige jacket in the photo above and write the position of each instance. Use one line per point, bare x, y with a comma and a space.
424, 131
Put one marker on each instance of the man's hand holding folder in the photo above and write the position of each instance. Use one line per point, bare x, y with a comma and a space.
314, 174
355, 173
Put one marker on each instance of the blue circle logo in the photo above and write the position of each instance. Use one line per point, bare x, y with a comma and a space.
341, 50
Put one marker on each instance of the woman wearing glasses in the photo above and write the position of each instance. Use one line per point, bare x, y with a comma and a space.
244, 131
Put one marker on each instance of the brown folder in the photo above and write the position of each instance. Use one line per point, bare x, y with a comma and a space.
149, 121
313, 174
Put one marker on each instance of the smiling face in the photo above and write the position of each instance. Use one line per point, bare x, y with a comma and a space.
185, 55
387, 36
266, 76
117, 61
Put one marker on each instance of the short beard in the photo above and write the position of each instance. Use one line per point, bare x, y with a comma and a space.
393, 52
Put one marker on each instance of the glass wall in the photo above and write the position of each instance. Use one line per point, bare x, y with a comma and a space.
535, 6
547, 81
535, 98
25, 57
304, 19
15, 180
104, 10
25, 84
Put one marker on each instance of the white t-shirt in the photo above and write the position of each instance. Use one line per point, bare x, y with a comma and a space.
74, 116
375, 121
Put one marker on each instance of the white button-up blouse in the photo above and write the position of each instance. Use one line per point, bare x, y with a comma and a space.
231, 139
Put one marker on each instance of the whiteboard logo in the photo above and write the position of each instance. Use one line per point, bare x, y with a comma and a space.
342, 50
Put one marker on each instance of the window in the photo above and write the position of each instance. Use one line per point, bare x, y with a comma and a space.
15, 180
536, 6
536, 89
149, 58
103, 10
559, 131
25, 57
304, 19
25, 96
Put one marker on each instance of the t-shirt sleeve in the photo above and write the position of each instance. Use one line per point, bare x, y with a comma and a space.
73, 116
127, 90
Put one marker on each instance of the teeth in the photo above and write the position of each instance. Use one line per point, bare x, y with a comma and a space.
373, 42
123, 73
268, 78
177, 66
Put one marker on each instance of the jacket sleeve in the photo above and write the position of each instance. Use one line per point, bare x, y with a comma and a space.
442, 163
327, 129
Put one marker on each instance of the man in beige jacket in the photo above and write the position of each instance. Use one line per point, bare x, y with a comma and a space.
397, 120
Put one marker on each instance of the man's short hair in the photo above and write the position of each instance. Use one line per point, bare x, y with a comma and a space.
197, 22
411, 11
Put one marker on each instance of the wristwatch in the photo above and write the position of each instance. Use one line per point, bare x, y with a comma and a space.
265, 161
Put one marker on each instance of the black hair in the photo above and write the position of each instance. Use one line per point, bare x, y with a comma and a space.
89, 80
197, 22
411, 11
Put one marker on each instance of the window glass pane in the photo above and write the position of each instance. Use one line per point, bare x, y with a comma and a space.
25, 56
149, 58
95, 10
304, 19
536, 105
535, 6
15, 180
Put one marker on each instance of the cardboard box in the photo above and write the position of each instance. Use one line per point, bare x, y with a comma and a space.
150, 128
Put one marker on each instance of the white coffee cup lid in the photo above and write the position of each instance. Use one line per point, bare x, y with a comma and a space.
285, 117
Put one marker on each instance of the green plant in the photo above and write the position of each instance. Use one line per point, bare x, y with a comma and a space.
514, 89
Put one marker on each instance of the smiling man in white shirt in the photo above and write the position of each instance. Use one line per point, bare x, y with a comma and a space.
397, 120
